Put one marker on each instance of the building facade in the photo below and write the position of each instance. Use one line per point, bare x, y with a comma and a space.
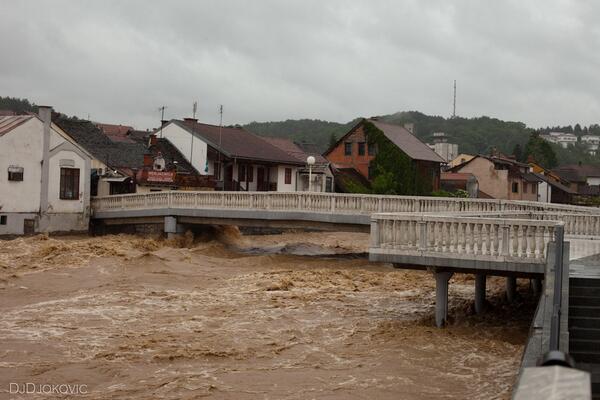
354, 151
44, 177
236, 159
502, 178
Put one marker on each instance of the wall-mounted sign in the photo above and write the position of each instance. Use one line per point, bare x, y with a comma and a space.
161, 176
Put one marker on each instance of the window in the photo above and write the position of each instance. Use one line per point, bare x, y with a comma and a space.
250, 173
69, 183
525, 187
361, 148
515, 187
3, 219
15, 173
288, 176
372, 149
328, 184
348, 149
241, 173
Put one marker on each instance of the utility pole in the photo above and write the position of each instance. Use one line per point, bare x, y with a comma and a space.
220, 141
194, 109
454, 104
162, 117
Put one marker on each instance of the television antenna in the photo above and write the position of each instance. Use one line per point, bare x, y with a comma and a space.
162, 117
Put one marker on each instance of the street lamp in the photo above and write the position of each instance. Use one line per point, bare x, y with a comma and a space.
310, 160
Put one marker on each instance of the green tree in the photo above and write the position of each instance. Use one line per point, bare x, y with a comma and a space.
332, 140
518, 152
541, 151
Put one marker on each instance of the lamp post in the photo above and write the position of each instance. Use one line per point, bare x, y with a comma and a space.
310, 160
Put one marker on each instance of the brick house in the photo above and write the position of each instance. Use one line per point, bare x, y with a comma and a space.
353, 152
500, 177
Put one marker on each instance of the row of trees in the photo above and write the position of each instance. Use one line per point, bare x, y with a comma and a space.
17, 105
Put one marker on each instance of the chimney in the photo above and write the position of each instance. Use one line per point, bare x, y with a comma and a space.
190, 120
45, 114
148, 160
153, 139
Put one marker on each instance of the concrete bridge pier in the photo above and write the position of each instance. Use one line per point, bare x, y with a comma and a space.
441, 297
511, 288
536, 285
480, 281
172, 228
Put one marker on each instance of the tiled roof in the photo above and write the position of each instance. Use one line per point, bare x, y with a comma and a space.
554, 183
9, 123
576, 171
407, 142
91, 138
113, 129
455, 176
238, 143
173, 157
348, 179
296, 150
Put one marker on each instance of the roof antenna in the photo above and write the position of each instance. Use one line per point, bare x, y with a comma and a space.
162, 117
220, 136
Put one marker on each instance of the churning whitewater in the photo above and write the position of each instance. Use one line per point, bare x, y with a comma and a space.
228, 316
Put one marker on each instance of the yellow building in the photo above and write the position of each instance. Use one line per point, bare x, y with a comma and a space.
460, 159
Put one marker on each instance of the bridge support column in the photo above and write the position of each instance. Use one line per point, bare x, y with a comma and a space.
480, 280
536, 285
511, 288
170, 227
441, 297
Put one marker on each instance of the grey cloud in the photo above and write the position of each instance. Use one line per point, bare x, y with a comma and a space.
534, 61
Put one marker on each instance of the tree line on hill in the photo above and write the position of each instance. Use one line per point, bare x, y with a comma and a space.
478, 135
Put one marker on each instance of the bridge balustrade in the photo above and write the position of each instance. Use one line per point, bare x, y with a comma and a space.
464, 237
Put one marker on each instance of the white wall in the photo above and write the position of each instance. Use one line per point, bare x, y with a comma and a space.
280, 176
544, 192
593, 180
21, 147
182, 140
55, 203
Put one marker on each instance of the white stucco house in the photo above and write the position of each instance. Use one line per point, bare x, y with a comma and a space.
44, 177
237, 159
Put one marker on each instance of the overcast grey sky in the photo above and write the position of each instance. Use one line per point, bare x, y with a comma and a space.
536, 61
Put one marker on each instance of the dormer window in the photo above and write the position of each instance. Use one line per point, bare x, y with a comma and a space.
15, 173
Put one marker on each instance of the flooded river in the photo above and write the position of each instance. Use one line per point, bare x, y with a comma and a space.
226, 316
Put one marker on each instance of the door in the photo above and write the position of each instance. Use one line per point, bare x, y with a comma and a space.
28, 226
260, 179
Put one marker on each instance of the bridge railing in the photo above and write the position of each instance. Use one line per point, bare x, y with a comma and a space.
323, 202
480, 238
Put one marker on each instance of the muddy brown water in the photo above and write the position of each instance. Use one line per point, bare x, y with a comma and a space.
287, 316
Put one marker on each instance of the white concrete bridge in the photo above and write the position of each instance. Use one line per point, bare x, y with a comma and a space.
444, 235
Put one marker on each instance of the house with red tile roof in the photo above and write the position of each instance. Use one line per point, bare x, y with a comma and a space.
236, 159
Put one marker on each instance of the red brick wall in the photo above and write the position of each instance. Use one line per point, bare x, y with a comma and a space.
360, 163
